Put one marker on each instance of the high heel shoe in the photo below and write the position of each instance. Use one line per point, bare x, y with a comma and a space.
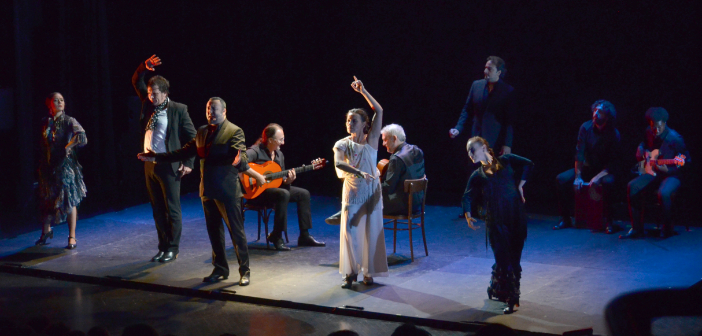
509, 309
348, 280
44, 237
71, 246
367, 281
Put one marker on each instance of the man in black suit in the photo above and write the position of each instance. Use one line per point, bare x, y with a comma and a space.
219, 146
267, 148
165, 125
492, 106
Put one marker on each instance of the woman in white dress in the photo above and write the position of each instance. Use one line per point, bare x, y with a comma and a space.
362, 248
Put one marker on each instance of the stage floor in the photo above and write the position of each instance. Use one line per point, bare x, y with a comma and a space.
568, 276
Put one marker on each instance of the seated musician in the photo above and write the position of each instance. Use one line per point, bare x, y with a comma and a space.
406, 163
669, 144
267, 148
597, 160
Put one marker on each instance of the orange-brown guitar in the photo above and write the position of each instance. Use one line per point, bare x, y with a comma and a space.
274, 176
383, 167
651, 159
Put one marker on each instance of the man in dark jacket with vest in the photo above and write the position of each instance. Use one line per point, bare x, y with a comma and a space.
220, 147
406, 163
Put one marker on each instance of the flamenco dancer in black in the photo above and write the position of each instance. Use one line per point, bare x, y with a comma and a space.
493, 186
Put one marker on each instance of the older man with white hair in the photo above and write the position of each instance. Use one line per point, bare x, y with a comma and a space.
406, 163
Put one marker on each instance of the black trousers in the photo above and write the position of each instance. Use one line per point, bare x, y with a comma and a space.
280, 197
163, 186
230, 212
566, 195
635, 193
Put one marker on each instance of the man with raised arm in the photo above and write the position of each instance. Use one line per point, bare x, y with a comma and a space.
165, 126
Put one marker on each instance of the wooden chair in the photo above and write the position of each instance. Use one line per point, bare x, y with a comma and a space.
411, 187
264, 214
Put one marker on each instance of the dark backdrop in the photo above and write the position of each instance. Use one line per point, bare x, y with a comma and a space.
292, 63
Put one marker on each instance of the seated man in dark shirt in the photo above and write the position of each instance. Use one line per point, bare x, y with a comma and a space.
267, 148
406, 163
597, 161
669, 144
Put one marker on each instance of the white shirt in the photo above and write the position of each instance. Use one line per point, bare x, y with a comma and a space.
155, 140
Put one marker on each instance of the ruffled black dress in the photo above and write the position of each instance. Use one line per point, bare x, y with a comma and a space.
506, 222
61, 185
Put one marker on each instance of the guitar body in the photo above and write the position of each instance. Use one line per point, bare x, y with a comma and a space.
251, 189
383, 167
646, 166
651, 159
274, 176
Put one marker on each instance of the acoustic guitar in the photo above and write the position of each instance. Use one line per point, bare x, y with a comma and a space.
383, 168
274, 175
651, 159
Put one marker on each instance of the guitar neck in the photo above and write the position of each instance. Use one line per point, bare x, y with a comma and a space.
284, 173
665, 162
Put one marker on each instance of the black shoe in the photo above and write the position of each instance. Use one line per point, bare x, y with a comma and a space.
44, 236
509, 309
631, 234
168, 257
215, 277
71, 246
334, 219
307, 240
667, 233
157, 257
278, 242
245, 279
564, 224
611, 228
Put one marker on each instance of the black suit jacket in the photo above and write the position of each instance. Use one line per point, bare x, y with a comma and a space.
492, 113
219, 176
180, 128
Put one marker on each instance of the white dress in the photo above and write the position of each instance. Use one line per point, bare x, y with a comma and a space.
362, 248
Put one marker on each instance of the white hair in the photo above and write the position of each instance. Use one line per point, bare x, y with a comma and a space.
396, 130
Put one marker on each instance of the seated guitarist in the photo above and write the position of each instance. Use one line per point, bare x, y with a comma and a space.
267, 148
669, 144
406, 163
597, 158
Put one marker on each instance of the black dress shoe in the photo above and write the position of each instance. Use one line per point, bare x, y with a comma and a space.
631, 234
215, 277
564, 224
168, 257
157, 257
667, 233
308, 240
278, 242
245, 279
334, 219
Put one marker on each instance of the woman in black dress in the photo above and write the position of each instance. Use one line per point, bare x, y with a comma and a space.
61, 186
493, 186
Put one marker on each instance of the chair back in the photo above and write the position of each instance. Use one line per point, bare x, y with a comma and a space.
415, 186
